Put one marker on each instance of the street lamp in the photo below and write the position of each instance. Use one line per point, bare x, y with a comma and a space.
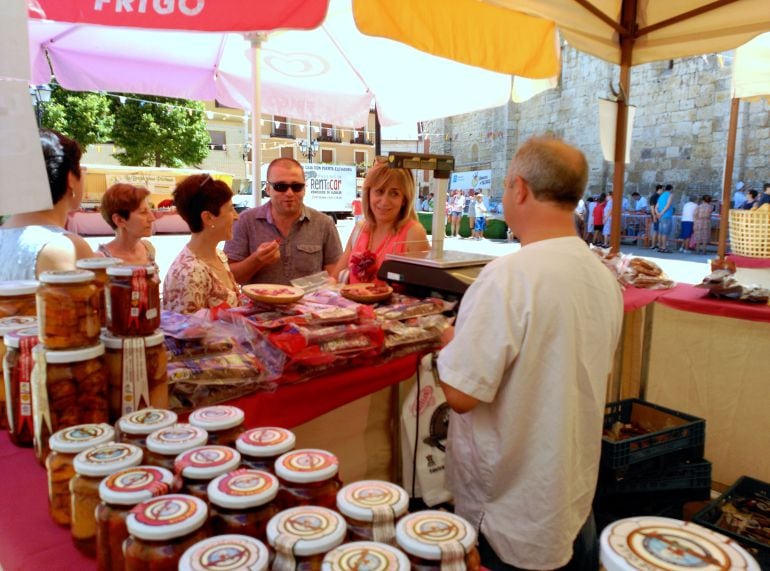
40, 94
307, 147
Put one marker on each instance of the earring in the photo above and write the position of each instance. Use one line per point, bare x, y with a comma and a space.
212, 226
73, 194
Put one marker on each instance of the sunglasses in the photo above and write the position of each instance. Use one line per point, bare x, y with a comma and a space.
284, 186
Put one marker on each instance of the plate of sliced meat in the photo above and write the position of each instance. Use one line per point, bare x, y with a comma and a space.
273, 293
367, 292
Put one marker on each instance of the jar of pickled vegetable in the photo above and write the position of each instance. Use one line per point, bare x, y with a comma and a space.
372, 508
165, 444
302, 536
68, 309
99, 267
119, 493
91, 466
132, 297
65, 445
7, 326
201, 465
68, 388
261, 447
223, 423
369, 555
161, 530
136, 426
308, 477
436, 540
17, 381
17, 297
242, 502
226, 552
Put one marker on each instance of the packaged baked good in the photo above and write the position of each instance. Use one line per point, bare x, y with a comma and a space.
133, 300
68, 309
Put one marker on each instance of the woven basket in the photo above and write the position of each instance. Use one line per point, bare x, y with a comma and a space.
750, 233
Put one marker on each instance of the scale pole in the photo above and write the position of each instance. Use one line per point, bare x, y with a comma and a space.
438, 229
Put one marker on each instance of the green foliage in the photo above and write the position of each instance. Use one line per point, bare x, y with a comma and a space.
84, 116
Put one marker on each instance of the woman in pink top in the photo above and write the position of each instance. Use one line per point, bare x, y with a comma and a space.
389, 226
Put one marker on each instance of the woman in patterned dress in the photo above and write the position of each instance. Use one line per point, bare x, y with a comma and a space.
702, 224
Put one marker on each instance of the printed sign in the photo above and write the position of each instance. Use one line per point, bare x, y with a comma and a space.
466, 181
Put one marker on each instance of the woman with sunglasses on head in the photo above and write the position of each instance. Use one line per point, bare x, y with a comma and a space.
126, 209
199, 277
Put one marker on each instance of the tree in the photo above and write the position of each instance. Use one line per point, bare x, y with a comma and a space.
159, 131
83, 115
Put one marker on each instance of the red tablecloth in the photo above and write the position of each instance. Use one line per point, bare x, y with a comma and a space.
635, 297
746, 262
690, 298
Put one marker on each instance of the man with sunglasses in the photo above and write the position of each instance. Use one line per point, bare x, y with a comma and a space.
283, 239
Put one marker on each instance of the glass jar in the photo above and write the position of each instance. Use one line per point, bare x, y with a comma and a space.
9, 325
17, 297
242, 502
369, 555
372, 508
223, 423
68, 309
68, 388
308, 477
65, 445
301, 537
261, 447
136, 426
165, 444
201, 465
138, 375
226, 552
91, 466
133, 300
119, 493
161, 530
434, 540
99, 267
17, 381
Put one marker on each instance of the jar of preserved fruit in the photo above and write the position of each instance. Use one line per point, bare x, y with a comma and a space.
229, 552
119, 493
99, 267
369, 555
68, 309
165, 444
436, 540
242, 502
17, 297
301, 537
91, 466
201, 465
261, 447
133, 300
137, 369
161, 530
308, 477
9, 325
68, 388
65, 445
372, 508
223, 423
136, 426
17, 381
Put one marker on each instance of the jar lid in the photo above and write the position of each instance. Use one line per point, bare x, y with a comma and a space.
229, 552
10, 288
644, 542
359, 500
16, 322
135, 485
422, 533
114, 342
219, 417
243, 489
73, 355
146, 420
167, 517
13, 339
369, 555
105, 459
265, 441
317, 529
125, 271
207, 462
75, 439
307, 465
175, 439
66, 276
97, 263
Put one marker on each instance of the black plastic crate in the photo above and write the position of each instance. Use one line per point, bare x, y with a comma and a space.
744, 490
684, 476
663, 504
671, 438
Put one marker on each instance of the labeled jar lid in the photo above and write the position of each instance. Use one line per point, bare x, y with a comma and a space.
71, 356
13, 339
311, 529
146, 420
114, 342
307, 465
16, 322
207, 462
128, 271
265, 441
167, 517
219, 417
422, 533
360, 500
229, 552
10, 288
369, 555
67, 276
135, 485
175, 439
96, 263
243, 489
75, 439
105, 459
